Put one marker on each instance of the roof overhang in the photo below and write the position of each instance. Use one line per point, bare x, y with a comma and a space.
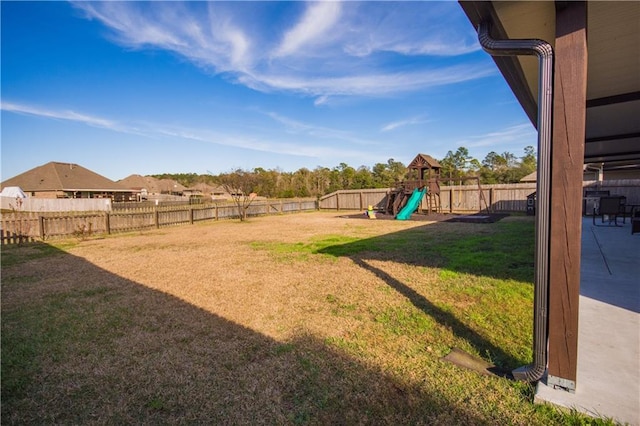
613, 70
91, 190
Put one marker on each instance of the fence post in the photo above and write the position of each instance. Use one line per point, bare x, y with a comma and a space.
41, 224
491, 198
337, 201
191, 215
361, 203
107, 223
157, 218
216, 212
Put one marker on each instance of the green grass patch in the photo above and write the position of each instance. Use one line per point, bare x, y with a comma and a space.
448, 275
51, 330
284, 348
350, 346
506, 252
12, 255
340, 244
406, 322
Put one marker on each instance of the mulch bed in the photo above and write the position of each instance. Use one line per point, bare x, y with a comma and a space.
438, 217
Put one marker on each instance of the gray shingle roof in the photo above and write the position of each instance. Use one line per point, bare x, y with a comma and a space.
136, 182
151, 184
55, 176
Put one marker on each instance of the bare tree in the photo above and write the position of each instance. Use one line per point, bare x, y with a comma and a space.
240, 184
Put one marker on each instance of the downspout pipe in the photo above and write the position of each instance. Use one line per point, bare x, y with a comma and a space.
544, 52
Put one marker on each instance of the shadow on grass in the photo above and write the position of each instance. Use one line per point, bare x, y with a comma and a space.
502, 250
499, 250
82, 345
445, 318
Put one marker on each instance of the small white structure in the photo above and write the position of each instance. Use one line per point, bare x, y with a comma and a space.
13, 192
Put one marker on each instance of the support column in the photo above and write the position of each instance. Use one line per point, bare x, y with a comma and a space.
569, 117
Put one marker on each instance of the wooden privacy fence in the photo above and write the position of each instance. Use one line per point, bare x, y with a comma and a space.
453, 199
354, 199
466, 198
18, 227
629, 188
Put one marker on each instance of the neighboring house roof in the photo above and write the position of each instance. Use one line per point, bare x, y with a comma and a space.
169, 185
218, 190
158, 186
136, 182
531, 177
207, 189
151, 184
202, 187
55, 176
423, 161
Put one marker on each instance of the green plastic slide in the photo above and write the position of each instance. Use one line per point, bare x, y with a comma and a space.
412, 204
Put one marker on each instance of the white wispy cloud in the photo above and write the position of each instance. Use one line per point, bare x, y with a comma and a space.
328, 49
255, 142
313, 28
261, 144
69, 115
134, 28
510, 135
394, 28
372, 84
319, 132
203, 36
401, 123
413, 49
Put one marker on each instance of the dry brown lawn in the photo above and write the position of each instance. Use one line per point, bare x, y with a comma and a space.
228, 323
215, 268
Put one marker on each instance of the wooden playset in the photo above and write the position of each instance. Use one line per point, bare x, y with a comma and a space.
423, 180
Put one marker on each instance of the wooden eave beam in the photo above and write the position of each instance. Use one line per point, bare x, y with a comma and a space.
612, 100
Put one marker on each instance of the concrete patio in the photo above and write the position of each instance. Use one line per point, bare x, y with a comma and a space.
608, 368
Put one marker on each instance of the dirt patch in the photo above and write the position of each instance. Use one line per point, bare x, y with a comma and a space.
478, 218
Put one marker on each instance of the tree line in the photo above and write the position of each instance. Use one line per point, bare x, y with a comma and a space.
274, 183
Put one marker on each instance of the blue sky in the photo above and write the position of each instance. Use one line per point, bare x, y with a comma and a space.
133, 87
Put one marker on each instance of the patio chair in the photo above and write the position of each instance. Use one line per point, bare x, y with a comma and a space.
609, 209
635, 220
